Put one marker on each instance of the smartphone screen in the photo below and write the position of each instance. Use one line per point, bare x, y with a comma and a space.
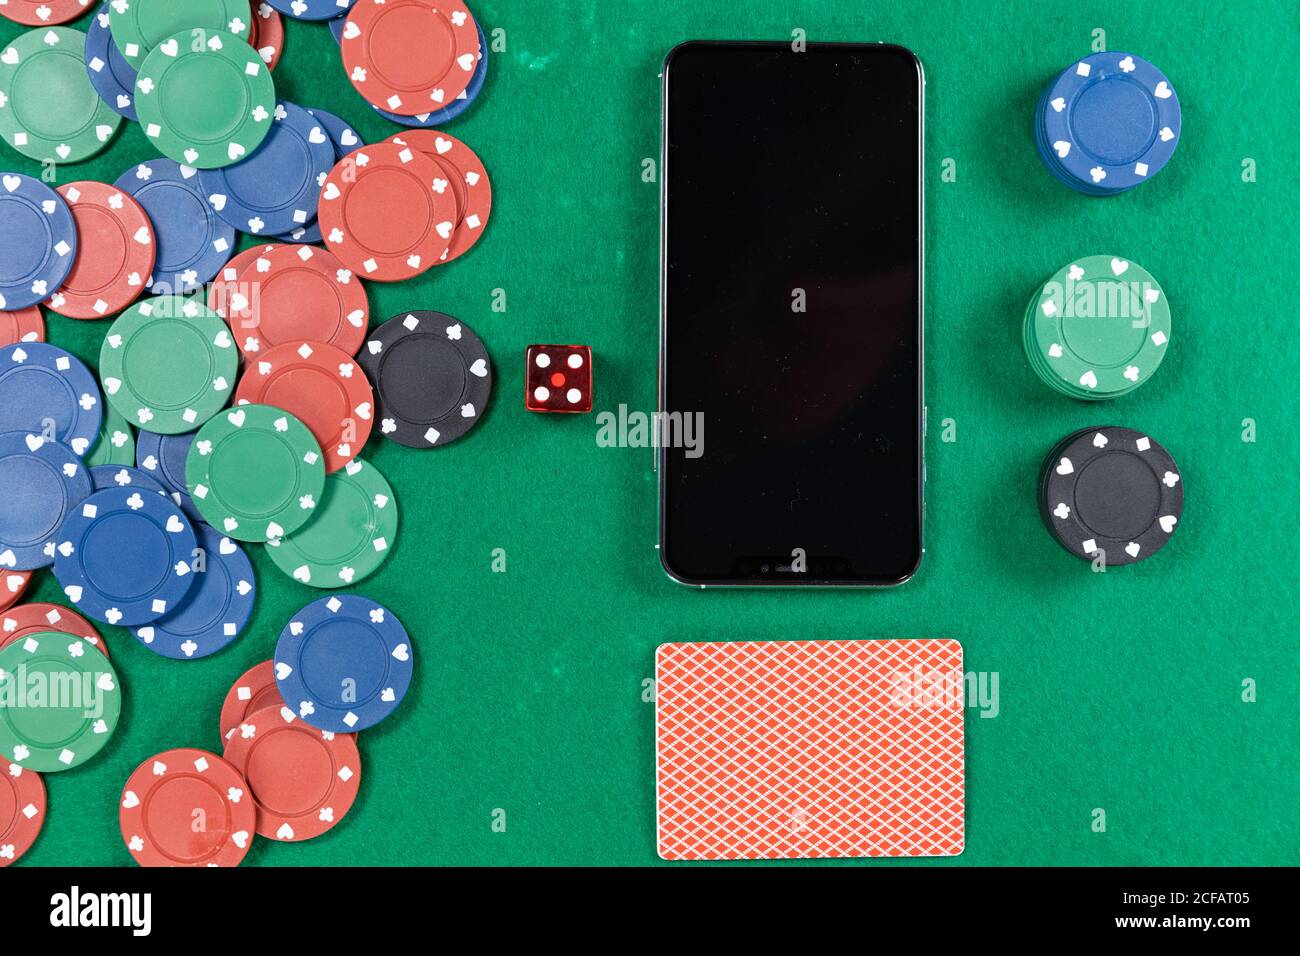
791, 398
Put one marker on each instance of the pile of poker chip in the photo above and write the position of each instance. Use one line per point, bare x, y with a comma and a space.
1098, 329
1107, 123
236, 389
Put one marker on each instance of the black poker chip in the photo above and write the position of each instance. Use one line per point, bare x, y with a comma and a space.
1113, 491
432, 378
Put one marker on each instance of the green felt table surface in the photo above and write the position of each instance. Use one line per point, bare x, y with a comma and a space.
1120, 691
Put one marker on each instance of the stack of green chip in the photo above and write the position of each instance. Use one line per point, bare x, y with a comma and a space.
1098, 329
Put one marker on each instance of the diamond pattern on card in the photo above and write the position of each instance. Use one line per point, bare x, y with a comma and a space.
807, 749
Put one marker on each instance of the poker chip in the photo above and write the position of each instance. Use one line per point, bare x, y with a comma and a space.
25, 325
122, 556
206, 106
140, 26
343, 644
35, 13
277, 187
346, 140
410, 56
115, 252
12, 586
1113, 492
192, 242
38, 241
323, 387
255, 472
349, 537
452, 110
163, 457
22, 810
296, 294
18, 622
1108, 123
110, 74
50, 733
49, 111
268, 33
104, 477
168, 364
1098, 329
168, 792
432, 376
216, 610
44, 482
303, 780
312, 9
469, 182
115, 444
43, 385
387, 213
255, 690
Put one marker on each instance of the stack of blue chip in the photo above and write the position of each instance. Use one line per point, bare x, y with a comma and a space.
1107, 123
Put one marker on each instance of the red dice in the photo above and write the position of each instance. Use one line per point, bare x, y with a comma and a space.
558, 379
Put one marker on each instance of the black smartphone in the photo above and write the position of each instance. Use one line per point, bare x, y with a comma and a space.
791, 392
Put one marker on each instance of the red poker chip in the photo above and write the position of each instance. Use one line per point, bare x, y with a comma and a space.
43, 13
387, 212
22, 810
18, 622
322, 386
12, 586
468, 178
293, 293
225, 286
255, 690
167, 793
115, 252
267, 35
25, 325
303, 780
410, 56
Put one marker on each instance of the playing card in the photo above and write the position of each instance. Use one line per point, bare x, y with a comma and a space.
792, 749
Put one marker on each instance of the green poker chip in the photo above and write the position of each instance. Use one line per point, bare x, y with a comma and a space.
48, 109
116, 442
138, 26
1097, 329
60, 700
350, 535
255, 473
205, 103
168, 365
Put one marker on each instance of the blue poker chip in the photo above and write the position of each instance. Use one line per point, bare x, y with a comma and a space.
104, 477
38, 241
457, 106
1108, 123
45, 390
216, 610
43, 482
122, 556
313, 9
193, 242
337, 25
162, 457
343, 663
112, 77
275, 190
303, 235
346, 140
